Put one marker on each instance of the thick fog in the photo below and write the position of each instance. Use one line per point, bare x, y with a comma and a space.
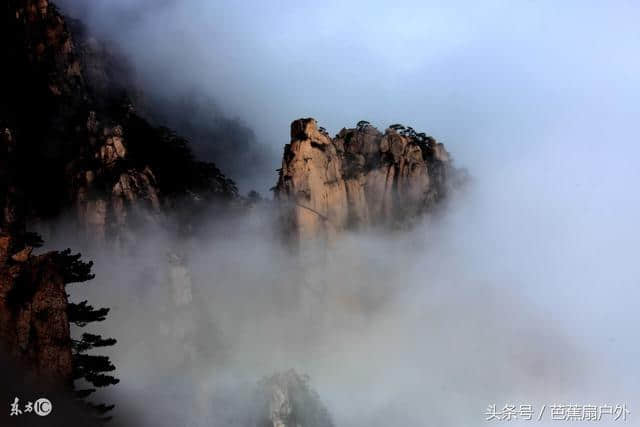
524, 291
514, 296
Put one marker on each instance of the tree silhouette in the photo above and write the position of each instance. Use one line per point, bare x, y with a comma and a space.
90, 368
362, 124
81, 314
409, 132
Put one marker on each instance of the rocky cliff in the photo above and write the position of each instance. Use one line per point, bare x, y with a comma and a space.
37, 352
360, 178
68, 101
34, 327
50, 135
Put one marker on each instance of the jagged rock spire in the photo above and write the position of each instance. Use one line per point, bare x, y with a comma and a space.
360, 178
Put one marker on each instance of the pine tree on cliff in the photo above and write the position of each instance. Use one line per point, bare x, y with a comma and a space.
92, 369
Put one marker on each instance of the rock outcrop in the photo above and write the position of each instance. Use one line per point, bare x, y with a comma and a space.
360, 178
290, 402
34, 327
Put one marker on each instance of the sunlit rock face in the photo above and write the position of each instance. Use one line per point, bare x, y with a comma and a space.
360, 178
109, 193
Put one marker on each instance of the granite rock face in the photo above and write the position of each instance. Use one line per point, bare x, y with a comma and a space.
69, 101
360, 178
34, 327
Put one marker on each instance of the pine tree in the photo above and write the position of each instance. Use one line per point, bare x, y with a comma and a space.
92, 369
362, 124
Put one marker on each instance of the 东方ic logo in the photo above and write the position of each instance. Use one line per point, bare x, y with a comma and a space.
42, 407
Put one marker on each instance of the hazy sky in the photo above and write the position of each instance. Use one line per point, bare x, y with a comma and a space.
487, 78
